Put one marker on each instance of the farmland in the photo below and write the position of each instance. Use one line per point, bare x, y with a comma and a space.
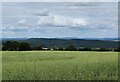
59, 65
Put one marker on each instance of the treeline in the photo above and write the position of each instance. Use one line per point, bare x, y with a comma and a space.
15, 46
24, 46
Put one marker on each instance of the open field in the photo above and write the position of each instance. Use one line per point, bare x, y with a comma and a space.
59, 65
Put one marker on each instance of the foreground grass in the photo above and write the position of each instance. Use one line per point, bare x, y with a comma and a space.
59, 65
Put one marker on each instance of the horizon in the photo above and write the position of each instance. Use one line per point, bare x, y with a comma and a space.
60, 38
49, 20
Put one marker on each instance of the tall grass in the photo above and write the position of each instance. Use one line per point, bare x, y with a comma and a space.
59, 65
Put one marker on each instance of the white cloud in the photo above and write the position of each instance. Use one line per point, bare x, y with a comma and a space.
20, 26
61, 21
79, 22
22, 21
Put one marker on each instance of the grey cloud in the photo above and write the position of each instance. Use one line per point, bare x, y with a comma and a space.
84, 4
22, 25
43, 12
14, 30
40, 14
94, 4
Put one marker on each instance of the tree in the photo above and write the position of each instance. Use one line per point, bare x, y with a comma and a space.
117, 50
87, 49
60, 48
55, 48
15, 45
24, 46
38, 48
103, 49
71, 48
10, 45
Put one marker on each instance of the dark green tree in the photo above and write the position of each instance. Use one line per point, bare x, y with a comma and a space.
71, 48
24, 46
61, 48
87, 49
10, 45
103, 49
117, 50
38, 47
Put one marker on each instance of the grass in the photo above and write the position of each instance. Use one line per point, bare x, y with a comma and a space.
59, 65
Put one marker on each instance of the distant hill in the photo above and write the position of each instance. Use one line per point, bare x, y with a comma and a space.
56, 42
13, 38
109, 39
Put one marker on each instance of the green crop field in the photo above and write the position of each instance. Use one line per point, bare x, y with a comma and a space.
59, 65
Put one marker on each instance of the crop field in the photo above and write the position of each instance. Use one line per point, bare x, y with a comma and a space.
59, 65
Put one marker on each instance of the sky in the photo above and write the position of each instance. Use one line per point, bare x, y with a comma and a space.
59, 19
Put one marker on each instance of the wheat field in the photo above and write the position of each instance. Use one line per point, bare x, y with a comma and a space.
59, 65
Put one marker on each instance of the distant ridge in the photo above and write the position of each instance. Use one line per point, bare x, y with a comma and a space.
90, 38
66, 38
14, 38
63, 42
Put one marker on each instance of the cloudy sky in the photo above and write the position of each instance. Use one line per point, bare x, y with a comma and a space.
59, 19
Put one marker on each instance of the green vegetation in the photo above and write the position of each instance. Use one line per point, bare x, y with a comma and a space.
15, 46
54, 42
25, 46
59, 65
